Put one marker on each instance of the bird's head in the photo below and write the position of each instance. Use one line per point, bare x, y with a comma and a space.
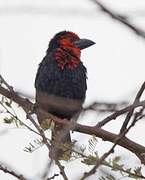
68, 48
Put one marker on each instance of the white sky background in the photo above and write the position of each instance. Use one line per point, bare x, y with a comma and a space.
115, 64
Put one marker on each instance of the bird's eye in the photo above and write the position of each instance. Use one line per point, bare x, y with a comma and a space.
71, 39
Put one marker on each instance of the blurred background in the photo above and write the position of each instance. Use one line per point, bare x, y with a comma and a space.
115, 64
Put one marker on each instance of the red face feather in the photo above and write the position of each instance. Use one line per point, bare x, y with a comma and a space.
67, 55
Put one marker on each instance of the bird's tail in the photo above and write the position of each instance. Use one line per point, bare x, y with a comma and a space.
61, 143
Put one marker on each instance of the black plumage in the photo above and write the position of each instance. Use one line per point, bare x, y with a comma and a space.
65, 83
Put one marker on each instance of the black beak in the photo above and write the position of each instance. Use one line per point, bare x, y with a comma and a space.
83, 43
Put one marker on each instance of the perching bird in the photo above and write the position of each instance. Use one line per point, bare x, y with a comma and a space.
61, 84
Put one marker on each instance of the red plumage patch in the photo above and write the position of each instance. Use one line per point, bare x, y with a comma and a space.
67, 55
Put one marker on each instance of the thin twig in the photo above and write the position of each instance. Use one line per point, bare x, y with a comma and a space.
2, 81
120, 18
13, 173
118, 113
45, 140
130, 113
62, 172
19, 119
53, 177
104, 106
107, 164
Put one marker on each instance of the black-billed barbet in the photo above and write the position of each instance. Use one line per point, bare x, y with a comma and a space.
61, 84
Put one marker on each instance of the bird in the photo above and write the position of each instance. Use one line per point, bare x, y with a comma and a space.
61, 84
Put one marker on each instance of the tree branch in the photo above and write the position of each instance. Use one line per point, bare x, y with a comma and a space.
105, 106
120, 112
120, 18
128, 117
62, 172
6, 170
